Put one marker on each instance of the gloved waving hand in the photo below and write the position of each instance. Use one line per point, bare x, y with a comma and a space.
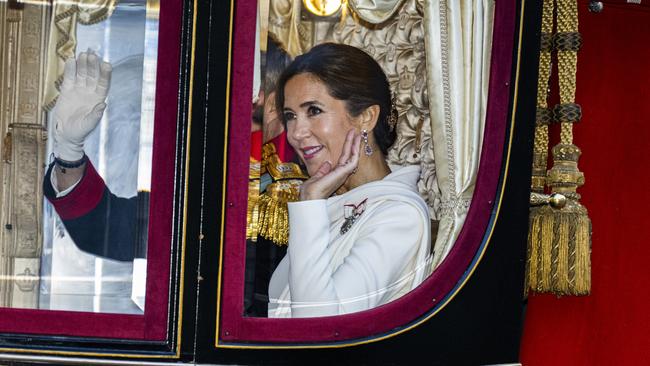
80, 105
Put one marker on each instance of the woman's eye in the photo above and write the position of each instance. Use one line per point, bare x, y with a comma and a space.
288, 116
313, 111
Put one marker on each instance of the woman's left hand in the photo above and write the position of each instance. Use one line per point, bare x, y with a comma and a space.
328, 179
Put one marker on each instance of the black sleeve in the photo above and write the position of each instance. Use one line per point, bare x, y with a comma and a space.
110, 228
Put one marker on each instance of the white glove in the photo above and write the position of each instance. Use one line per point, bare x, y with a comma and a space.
80, 105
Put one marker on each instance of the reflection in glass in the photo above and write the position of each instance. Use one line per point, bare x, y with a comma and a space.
62, 276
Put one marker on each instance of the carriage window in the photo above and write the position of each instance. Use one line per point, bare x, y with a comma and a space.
361, 171
342, 188
359, 187
77, 123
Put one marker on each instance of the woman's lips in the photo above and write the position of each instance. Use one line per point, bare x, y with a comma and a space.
310, 151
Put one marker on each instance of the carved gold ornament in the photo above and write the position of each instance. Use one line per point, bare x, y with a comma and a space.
323, 8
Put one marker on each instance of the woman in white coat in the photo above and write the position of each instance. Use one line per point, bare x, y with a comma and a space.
360, 235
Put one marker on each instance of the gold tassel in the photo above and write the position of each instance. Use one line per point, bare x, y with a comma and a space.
273, 218
274, 212
560, 232
559, 240
559, 248
540, 250
583, 255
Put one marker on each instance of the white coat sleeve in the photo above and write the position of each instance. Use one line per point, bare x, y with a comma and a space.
385, 245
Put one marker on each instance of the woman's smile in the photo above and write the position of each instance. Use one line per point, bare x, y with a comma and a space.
310, 151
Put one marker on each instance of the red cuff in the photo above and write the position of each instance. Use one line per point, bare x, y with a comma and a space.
83, 198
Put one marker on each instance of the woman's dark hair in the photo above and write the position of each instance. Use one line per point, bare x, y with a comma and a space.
350, 75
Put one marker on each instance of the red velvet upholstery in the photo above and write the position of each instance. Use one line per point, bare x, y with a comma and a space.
153, 324
234, 328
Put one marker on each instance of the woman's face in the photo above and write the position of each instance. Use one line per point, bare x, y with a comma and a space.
317, 123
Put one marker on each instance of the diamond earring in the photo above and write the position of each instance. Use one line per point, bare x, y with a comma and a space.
367, 149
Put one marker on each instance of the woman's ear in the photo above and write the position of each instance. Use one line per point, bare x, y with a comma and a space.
369, 117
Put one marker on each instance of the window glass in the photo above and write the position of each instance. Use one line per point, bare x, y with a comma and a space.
359, 234
76, 168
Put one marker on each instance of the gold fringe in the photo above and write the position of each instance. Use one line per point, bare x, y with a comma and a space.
542, 225
273, 219
274, 212
252, 212
561, 243
559, 250
583, 256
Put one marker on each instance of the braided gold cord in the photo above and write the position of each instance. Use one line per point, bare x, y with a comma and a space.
541, 146
567, 22
567, 65
547, 16
567, 16
541, 130
541, 140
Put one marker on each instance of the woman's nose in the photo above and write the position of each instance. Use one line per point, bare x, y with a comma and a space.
299, 129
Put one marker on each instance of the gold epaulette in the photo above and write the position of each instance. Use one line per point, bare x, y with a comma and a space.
255, 168
252, 212
273, 210
278, 170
